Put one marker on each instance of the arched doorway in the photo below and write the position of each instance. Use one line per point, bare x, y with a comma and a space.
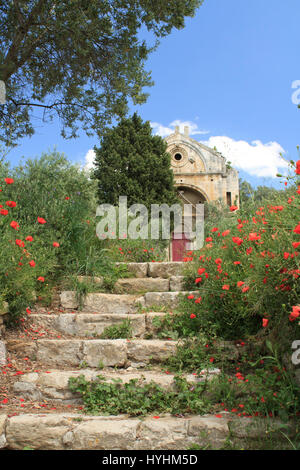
181, 243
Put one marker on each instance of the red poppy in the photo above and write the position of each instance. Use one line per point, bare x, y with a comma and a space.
29, 238
3, 211
20, 243
9, 181
265, 322
297, 229
55, 244
32, 263
227, 232
295, 313
253, 236
14, 225
41, 279
11, 203
41, 220
237, 240
192, 316
202, 270
233, 208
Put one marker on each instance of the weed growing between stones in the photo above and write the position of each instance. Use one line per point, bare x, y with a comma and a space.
123, 330
137, 399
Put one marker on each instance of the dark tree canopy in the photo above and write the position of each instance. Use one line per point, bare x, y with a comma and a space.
80, 60
134, 163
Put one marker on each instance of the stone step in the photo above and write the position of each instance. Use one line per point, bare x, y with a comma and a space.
155, 269
95, 353
166, 269
102, 303
141, 285
165, 299
94, 324
121, 303
69, 431
135, 285
52, 386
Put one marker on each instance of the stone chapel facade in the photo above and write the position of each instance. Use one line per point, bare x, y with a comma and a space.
200, 175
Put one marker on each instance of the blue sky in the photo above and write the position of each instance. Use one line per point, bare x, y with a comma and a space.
229, 73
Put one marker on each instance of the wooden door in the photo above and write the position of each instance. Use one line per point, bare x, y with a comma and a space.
179, 247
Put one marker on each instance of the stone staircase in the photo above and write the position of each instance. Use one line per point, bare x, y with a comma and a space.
65, 343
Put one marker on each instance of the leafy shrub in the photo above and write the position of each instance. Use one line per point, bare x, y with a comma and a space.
247, 274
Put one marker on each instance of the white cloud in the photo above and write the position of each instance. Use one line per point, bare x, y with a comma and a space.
89, 159
255, 158
164, 131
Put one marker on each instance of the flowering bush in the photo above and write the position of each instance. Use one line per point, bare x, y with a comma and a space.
24, 258
46, 207
138, 251
247, 274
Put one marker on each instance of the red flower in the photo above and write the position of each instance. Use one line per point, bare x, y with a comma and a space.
245, 289
192, 316
55, 244
237, 240
226, 287
297, 171
265, 322
253, 236
295, 313
202, 270
218, 261
11, 203
297, 229
32, 263
3, 211
240, 283
233, 208
227, 232
14, 225
9, 181
29, 238
41, 220
41, 279
20, 243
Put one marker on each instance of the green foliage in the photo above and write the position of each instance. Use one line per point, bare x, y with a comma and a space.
132, 162
136, 251
266, 390
248, 271
138, 399
65, 198
93, 53
123, 330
